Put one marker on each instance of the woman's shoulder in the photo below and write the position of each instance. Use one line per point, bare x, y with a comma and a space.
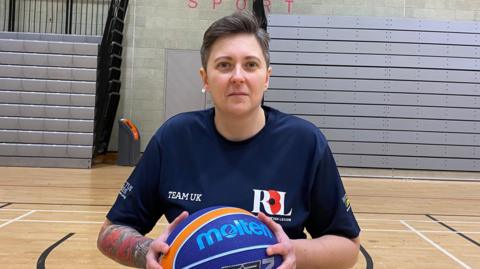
185, 121
292, 122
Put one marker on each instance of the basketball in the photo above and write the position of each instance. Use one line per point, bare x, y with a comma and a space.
220, 237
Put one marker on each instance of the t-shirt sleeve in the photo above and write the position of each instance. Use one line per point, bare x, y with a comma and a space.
331, 212
138, 202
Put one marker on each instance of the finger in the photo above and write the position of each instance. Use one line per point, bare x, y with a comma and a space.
282, 249
159, 246
151, 261
177, 220
275, 227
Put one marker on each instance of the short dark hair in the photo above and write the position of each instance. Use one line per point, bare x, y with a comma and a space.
240, 22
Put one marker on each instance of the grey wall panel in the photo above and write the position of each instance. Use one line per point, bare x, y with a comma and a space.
391, 86
409, 137
43, 137
53, 60
46, 162
374, 35
390, 149
39, 85
387, 92
374, 60
38, 124
182, 73
42, 111
413, 100
400, 162
378, 111
62, 99
381, 48
397, 124
375, 73
52, 47
39, 150
47, 99
47, 72
374, 22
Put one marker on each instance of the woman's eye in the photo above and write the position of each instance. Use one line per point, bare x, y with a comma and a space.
252, 65
223, 65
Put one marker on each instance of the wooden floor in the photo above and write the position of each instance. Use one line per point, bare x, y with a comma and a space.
49, 218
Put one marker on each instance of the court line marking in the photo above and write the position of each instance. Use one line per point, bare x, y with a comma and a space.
105, 212
69, 221
423, 231
421, 221
165, 224
454, 230
436, 245
17, 218
43, 257
368, 258
54, 211
5, 204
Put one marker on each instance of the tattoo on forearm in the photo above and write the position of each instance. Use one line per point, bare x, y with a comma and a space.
125, 245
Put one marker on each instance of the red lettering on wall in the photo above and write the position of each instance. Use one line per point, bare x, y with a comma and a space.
192, 3
290, 2
239, 7
216, 3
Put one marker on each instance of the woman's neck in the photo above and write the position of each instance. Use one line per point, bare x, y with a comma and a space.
240, 128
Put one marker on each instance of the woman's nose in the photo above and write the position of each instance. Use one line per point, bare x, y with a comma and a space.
238, 75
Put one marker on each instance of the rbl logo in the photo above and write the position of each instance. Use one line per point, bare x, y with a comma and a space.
273, 202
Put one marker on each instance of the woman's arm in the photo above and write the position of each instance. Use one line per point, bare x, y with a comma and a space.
328, 251
127, 246
123, 244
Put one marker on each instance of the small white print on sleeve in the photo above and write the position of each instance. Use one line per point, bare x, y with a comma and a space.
127, 187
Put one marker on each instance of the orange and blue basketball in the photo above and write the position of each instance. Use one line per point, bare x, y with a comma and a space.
223, 238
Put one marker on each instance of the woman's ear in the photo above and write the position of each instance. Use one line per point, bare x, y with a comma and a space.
204, 77
267, 78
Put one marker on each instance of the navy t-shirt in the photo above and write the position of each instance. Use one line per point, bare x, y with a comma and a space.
286, 171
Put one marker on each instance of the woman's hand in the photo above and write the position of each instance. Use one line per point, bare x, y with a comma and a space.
159, 246
284, 246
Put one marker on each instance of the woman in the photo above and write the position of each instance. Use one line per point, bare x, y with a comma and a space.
241, 154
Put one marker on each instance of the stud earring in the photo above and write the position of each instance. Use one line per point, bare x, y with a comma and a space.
203, 90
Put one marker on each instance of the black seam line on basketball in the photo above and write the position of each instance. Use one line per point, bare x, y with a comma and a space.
368, 258
415, 214
454, 230
44, 255
33, 203
5, 205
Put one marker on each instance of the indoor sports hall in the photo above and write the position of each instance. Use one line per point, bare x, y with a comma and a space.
394, 86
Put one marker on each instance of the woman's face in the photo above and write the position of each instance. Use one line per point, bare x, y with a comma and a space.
236, 75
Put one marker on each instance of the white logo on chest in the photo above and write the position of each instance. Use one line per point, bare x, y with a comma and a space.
186, 196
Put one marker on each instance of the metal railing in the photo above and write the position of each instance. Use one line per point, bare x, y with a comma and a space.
77, 17
109, 64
